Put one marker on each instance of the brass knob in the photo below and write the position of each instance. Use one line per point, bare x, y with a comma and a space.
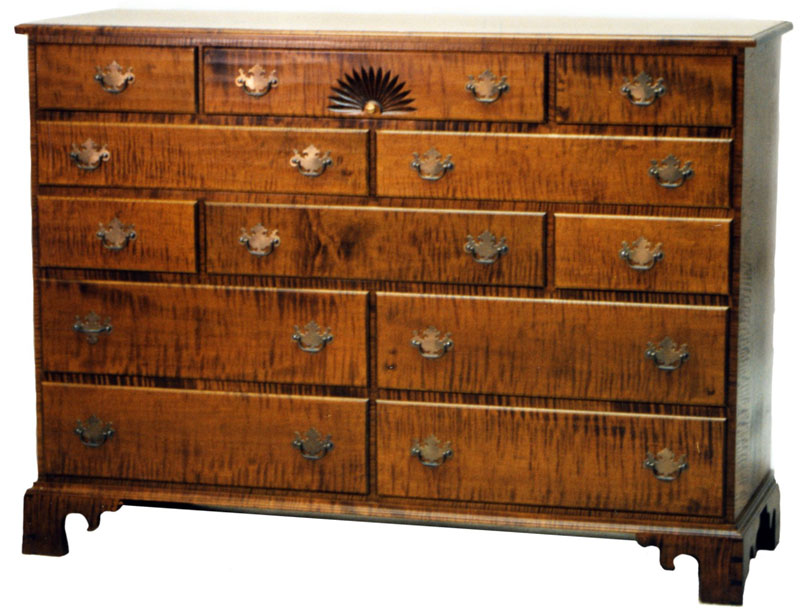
113, 78
641, 255
94, 432
431, 452
116, 235
665, 466
643, 90
372, 107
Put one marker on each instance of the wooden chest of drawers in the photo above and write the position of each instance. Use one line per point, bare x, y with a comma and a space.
513, 276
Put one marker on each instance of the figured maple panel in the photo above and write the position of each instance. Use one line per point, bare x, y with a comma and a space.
377, 243
204, 332
205, 437
695, 253
557, 348
559, 168
551, 457
191, 156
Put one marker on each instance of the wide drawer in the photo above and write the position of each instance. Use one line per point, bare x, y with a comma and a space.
547, 167
326, 161
644, 89
401, 85
554, 458
376, 243
642, 253
204, 332
205, 437
138, 235
92, 77
566, 349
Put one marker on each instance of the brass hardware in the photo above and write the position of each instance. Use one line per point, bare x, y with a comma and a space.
311, 338
260, 241
431, 166
92, 326
431, 452
255, 82
642, 90
667, 354
88, 156
116, 235
665, 466
669, 173
312, 445
311, 162
641, 255
487, 88
113, 79
487, 249
372, 107
371, 92
431, 343
94, 432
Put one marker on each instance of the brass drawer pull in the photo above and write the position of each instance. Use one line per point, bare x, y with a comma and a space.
255, 82
487, 88
259, 240
431, 343
94, 432
311, 162
667, 354
431, 166
92, 326
669, 173
641, 255
88, 156
116, 235
311, 338
487, 249
431, 452
312, 445
643, 90
113, 78
665, 466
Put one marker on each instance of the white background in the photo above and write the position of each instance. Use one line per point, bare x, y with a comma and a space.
160, 557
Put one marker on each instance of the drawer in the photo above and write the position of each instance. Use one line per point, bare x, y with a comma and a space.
204, 332
642, 253
557, 348
644, 89
325, 161
397, 85
125, 234
560, 458
205, 437
556, 168
376, 243
92, 77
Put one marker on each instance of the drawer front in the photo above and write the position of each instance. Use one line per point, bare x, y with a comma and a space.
563, 168
205, 437
204, 332
644, 89
551, 348
125, 234
402, 85
91, 77
642, 253
376, 243
551, 458
186, 156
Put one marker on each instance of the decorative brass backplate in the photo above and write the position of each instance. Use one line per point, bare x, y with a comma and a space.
113, 78
260, 241
669, 173
431, 452
370, 91
92, 326
431, 343
116, 235
311, 162
431, 165
88, 155
487, 249
94, 432
665, 466
667, 354
487, 88
255, 82
311, 338
641, 255
312, 445
643, 90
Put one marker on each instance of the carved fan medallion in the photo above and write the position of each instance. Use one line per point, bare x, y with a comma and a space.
371, 92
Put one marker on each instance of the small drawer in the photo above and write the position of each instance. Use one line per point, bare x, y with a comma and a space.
644, 89
642, 253
398, 244
90, 77
556, 348
597, 460
464, 86
123, 234
204, 437
251, 334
